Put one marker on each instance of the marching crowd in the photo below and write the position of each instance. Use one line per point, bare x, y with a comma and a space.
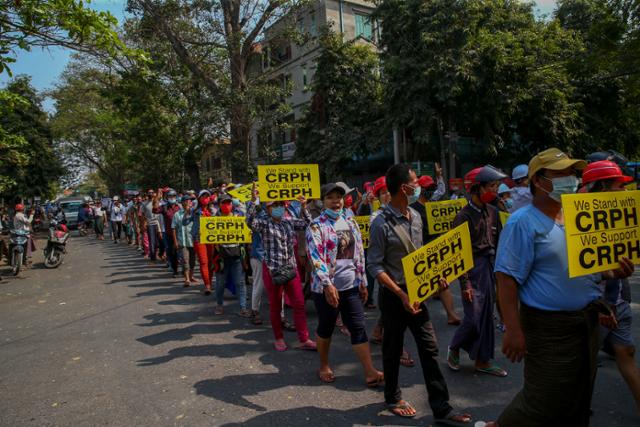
314, 249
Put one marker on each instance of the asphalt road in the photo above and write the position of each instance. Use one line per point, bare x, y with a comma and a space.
108, 339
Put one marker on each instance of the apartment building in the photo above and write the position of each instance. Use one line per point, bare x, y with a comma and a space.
293, 63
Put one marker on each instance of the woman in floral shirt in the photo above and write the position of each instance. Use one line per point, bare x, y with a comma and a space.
339, 283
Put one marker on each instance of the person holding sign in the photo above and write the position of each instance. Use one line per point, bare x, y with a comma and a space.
476, 335
431, 192
616, 333
279, 272
394, 234
231, 265
339, 283
551, 319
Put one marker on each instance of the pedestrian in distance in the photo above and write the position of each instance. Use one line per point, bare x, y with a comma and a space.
183, 241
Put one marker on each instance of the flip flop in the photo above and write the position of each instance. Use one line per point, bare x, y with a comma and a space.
450, 420
280, 347
494, 370
308, 345
404, 405
453, 360
406, 360
327, 377
375, 383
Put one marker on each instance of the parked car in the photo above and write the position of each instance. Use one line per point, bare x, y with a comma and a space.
70, 206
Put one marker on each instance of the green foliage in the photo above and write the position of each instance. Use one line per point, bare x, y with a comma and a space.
69, 23
28, 165
345, 119
485, 68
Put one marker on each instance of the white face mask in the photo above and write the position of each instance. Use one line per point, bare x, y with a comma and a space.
561, 185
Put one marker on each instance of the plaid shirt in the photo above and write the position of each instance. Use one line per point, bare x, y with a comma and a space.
278, 238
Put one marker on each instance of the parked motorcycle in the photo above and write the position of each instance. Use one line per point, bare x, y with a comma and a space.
56, 244
18, 241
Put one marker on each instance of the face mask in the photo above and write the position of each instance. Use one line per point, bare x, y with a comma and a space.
488, 197
235, 202
348, 201
171, 201
226, 208
508, 203
277, 212
333, 214
561, 185
415, 196
203, 201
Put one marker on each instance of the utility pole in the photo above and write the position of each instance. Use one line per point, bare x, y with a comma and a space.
396, 146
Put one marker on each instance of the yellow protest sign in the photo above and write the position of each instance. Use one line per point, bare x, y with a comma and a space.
375, 205
288, 182
600, 229
440, 215
242, 193
364, 224
449, 256
631, 187
504, 217
224, 230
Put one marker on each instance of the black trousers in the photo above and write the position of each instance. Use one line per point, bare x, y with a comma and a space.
395, 320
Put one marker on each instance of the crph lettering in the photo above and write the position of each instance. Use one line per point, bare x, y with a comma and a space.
605, 220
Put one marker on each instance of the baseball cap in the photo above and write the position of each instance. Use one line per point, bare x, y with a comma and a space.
345, 187
330, 187
553, 159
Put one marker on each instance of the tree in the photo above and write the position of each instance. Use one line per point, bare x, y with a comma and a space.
29, 164
68, 23
483, 68
216, 41
345, 118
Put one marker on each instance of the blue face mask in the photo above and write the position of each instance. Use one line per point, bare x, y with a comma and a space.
171, 201
415, 196
277, 212
235, 202
508, 203
562, 185
333, 214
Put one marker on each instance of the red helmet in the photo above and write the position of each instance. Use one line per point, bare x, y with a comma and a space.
379, 185
426, 181
470, 178
486, 173
19, 207
603, 169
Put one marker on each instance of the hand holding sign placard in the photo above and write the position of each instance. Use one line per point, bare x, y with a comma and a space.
440, 215
364, 225
601, 228
288, 182
449, 256
222, 230
242, 193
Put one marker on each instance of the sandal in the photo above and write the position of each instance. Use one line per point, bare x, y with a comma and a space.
406, 360
399, 407
494, 370
287, 326
219, 310
280, 346
376, 382
455, 322
454, 420
307, 345
453, 360
256, 319
376, 340
326, 377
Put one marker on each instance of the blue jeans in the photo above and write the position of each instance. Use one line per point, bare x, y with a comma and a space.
152, 231
232, 270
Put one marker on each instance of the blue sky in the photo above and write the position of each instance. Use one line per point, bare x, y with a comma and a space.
45, 65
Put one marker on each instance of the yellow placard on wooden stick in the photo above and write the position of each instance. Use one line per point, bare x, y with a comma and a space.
365, 225
288, 182
221, 230
449, 256
600, 229
504, 217
242, 193
440, 215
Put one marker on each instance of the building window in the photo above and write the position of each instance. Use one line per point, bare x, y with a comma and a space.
313, 28
301, 28
305, 81
364, 27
